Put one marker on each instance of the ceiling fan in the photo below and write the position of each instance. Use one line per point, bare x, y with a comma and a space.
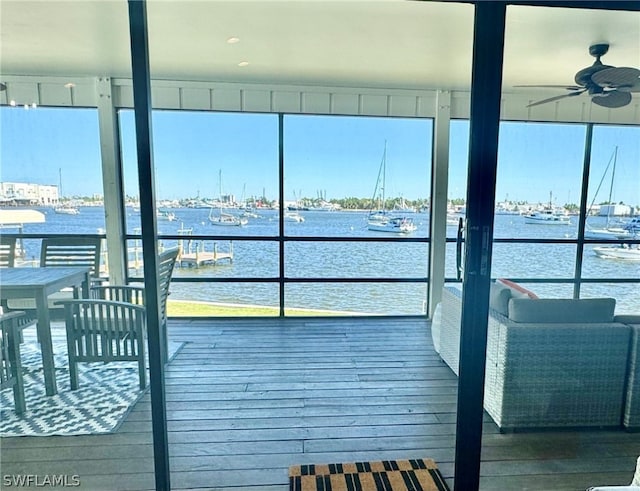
608, 86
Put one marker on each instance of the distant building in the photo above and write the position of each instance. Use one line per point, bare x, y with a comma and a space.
28, 194
615, 210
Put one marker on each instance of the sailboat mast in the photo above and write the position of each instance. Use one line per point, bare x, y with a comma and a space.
604, 175
613, 176
384, 175
220, 189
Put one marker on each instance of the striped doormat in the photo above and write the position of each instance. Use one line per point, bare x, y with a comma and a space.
386, 475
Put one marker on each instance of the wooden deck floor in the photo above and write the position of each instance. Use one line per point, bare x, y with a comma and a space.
248, 398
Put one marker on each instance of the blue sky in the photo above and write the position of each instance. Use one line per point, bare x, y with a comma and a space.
335, 156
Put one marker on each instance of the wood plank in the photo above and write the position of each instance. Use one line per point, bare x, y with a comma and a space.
247, 398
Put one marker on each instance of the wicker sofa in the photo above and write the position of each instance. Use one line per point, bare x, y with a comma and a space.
551, 363
632, 400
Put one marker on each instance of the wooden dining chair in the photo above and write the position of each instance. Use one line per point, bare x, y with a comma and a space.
7, 259
72, 251
7, 251
112, 327
66, 251
11, 326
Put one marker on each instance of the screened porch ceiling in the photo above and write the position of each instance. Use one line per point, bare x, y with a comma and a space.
387, 44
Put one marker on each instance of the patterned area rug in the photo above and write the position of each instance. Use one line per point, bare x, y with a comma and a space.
386, 475
106, 394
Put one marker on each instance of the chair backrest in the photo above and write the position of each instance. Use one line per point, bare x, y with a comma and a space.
7, 251
166, 263
72, 251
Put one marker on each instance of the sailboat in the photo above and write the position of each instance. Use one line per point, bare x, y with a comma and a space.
64, 208
608, 231
380, 220
221, 218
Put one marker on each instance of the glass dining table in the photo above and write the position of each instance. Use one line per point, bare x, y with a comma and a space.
38, 284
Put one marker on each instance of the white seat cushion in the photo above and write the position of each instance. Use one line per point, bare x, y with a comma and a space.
435, 327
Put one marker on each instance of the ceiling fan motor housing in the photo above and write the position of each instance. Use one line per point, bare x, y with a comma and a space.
598, 50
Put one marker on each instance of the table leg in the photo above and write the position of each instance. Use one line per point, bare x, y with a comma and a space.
82, 290
16, 367
44, 335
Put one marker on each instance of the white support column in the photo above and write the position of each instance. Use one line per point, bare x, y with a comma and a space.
439, 187
112, 181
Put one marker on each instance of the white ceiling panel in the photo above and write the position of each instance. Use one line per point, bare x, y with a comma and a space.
387, 44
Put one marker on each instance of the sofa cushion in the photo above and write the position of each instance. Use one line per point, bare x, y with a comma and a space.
627, 319
499, 296
517, 291
561, 310
436, 327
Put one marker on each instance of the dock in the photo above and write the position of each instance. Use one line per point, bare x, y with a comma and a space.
195, 255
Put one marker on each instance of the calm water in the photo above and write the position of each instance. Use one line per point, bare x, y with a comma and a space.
348, 260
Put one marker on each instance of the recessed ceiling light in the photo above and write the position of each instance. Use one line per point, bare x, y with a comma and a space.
243, 63
69, 85
233, 40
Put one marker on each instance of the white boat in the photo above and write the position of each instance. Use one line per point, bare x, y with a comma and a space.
547, 216
166, 215
293, 216
249, 213
381, 220
633, 226
607, 233
66, 209
218, 217
323, 205
399, 225
622, 252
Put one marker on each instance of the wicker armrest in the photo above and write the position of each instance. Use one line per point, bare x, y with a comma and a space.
556, 375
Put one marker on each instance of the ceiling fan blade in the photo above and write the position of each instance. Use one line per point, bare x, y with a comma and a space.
624, 79
568, 87
556, 98
612, 99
